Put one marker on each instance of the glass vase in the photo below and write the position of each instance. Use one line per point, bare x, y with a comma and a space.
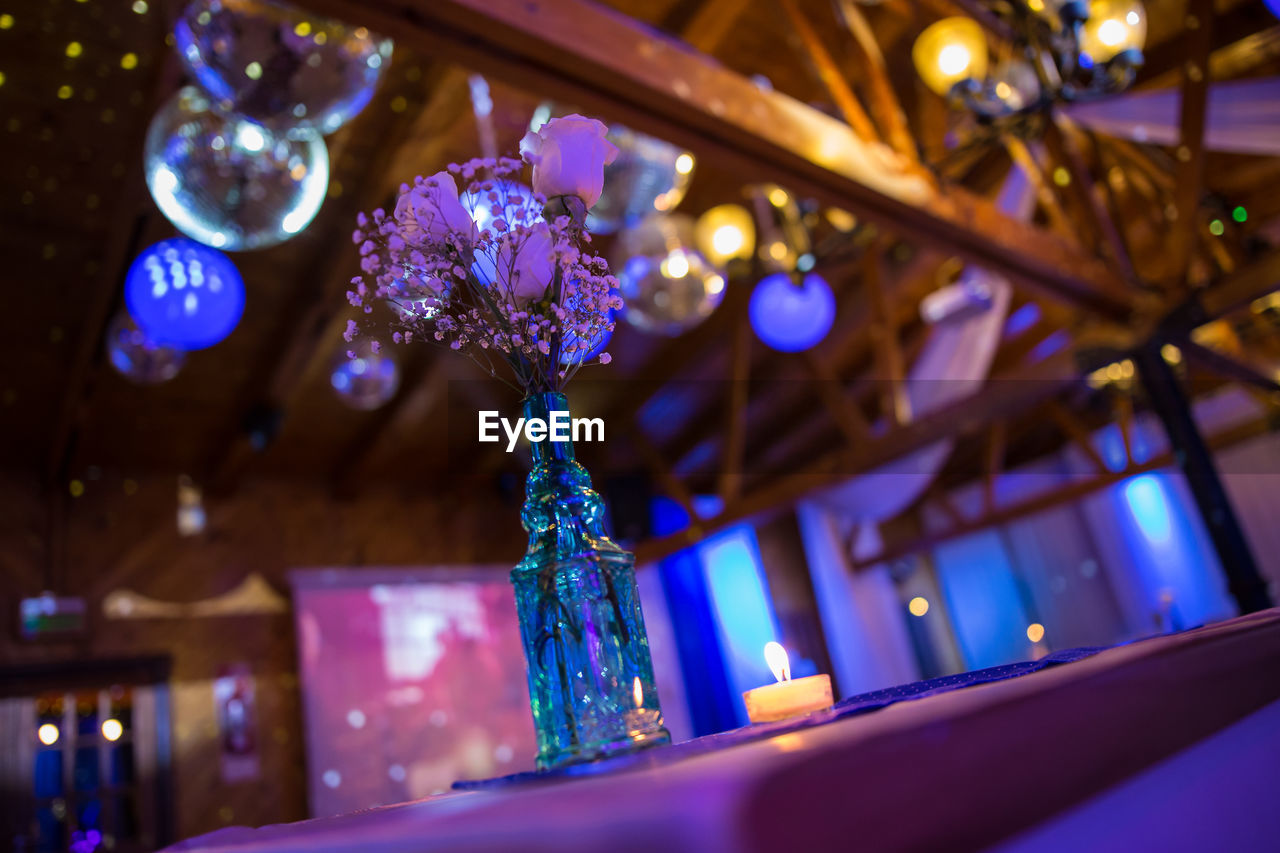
590, 675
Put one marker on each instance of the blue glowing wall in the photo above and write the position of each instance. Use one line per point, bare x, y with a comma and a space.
984, 600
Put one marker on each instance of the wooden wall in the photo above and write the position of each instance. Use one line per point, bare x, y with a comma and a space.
121, 533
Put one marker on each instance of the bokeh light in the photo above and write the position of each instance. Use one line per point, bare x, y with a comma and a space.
112, 729
183, 294
790, 315
366, 379
918, 606
48, 734
137, 357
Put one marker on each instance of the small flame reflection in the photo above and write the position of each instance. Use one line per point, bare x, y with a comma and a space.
776, 656
638, 692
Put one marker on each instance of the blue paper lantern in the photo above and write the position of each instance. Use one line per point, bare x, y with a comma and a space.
184, 294
790, 316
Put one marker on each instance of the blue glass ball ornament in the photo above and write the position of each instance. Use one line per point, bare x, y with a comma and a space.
648, 176
366, 380
137, 357
228, 182
183, 294
792, 316
278, 65
668, 287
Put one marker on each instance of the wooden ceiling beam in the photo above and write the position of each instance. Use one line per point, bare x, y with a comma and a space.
586, 54
882, 99
999, 398
1236, 290
1068, 493
1234, 30
1193, 114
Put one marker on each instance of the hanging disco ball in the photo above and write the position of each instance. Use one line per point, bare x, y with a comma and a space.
137, 357
279, 66
365, 380
228, 182
792, 316
648, 176
183, 294
667, 285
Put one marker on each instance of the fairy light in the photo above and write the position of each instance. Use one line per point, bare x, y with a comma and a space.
74, 49
129, 61
65, 91
48, 734
918, 606
140, 7
112, 729
684, 163
6, 21
1035, 632
1216, 228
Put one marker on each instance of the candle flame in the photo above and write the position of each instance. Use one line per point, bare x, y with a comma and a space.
638, 692
776, 656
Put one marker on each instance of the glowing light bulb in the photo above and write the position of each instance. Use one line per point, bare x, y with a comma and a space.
112, 729
727, 239
677, 265
48, 734
1111, 32
779, 662
1035, 632
684, 163
953, 59
918, 606
637, 692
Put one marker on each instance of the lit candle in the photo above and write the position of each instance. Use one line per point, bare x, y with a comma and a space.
787, 698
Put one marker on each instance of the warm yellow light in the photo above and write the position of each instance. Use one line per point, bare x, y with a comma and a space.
1061, 176
74, 49
140, 6
779, 662
302, 29
637, 692
129, 61
918, 606
1035, 5
65, 92
112, 729
684, 163
48, 734
949, 51
1113, 26
725, 233
715, 284
1035, 632
1171, 353
841, 219
6, 21
1, 78
778, 197
676, 265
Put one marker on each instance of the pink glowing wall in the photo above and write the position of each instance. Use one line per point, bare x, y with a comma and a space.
410, 681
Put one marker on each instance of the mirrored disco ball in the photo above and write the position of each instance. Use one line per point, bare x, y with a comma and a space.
790, 315
279, 66
137, 357
230, 183
367, 380
648, 176
667, 285
183, 294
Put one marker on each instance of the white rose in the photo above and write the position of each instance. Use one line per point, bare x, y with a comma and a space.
534, 269
432, 211
568, 156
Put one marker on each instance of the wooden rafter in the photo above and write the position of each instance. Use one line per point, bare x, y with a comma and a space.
1227, 366
829, 73
890, 364
705, 23
730, 485
1073, 491
840, 406
1076, 431
606, 62
883, 101
1193, 114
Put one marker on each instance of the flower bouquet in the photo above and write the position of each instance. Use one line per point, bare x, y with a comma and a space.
502, 273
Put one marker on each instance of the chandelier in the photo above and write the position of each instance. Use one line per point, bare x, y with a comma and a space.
1054, 51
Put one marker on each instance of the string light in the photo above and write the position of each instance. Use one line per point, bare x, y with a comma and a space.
112, 729
1216, 228
48, 734
1240, 214
74, 49
129, 61
1035, 632
140, 7
76, 488
65, 92
918, 606
6, 21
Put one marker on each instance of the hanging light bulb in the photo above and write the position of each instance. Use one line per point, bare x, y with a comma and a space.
726, 233
790, 315
1112, 28
950, 51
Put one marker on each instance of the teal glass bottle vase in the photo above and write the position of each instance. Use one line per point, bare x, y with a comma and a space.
590, 675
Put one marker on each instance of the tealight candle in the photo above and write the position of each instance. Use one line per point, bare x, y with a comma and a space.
788, 697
